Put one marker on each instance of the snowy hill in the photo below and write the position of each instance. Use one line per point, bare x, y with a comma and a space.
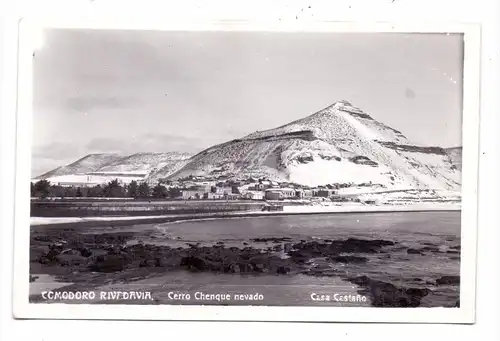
89, 163
339, 144
96, 169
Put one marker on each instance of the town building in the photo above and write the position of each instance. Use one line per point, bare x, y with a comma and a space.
213, 196
206, 184
231, 196
324, 193
273, 195
304, 193
223, 190
189, 194
280, 193
254, 195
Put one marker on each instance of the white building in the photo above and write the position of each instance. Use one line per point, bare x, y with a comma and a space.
304, 193
254, 195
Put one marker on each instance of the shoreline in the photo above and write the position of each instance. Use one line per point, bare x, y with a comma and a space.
287, 211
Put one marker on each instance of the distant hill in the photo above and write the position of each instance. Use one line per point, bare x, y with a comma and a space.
101, 168
86, 164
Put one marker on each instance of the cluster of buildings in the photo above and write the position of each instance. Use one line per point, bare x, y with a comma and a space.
281, 193
198, 188
249, 190
210, 193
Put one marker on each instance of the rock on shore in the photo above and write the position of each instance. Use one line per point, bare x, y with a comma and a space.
448, 280
304, 251
385, 294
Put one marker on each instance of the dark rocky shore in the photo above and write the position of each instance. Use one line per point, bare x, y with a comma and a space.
91, 260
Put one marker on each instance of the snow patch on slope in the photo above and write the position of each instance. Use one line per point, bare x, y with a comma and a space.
321, 172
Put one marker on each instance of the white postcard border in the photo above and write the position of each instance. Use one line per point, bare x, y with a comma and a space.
28, 29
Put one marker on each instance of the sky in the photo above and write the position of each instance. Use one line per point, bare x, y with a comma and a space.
153, 91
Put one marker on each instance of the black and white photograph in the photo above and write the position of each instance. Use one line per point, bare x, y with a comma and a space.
248, 168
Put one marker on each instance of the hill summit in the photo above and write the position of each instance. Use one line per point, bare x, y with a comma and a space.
338, 144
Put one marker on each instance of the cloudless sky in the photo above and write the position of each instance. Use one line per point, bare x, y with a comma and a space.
134, 91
